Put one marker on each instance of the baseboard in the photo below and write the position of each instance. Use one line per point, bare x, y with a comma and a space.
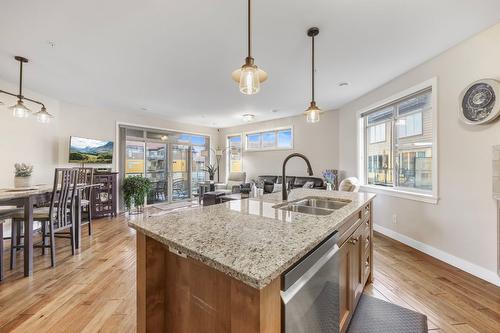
462, 264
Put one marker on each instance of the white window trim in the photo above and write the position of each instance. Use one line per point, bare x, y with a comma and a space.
276, 129
432, 197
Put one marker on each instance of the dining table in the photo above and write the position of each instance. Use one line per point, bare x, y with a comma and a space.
28, 198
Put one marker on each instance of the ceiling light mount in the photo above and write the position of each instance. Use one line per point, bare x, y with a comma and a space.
313, 32
312, 112
249, 76
19, 110
248, 117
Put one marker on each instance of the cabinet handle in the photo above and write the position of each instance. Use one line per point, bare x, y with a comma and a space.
353, 240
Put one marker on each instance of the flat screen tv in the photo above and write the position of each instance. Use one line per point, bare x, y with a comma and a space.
83, 150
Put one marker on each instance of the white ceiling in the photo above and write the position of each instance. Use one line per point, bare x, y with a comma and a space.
176, 57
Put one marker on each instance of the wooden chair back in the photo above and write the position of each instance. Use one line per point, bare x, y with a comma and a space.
63, 197
86, 176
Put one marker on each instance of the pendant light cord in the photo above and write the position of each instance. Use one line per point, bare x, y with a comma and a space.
20, 79
249, 30
312, 75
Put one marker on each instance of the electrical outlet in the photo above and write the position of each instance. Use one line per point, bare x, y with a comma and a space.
394, 219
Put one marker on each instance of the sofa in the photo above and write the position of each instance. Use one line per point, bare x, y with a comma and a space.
268, 182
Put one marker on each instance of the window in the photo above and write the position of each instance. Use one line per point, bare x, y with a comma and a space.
253, 141
285, 138
377, 133
234, 153
410, 125
398, 144
269, 140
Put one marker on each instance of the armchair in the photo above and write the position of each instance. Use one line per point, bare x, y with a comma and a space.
233, 183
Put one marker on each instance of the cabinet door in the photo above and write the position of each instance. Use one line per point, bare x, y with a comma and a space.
366, 258
345, 299
357, 264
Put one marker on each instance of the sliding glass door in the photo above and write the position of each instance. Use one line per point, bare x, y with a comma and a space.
173, 162
134, 159
180, 172
199, 161
156, 171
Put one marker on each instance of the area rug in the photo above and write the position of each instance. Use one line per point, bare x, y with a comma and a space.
374, 315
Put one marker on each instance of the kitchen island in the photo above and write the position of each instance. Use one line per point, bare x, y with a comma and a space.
220, 268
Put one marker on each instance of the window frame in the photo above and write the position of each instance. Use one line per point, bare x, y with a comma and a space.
276, 130
401, 192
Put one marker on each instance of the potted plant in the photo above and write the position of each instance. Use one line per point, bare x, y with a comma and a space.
22, 175
211, 169
135, 190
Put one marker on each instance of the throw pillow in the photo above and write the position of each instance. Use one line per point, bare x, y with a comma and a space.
277, 188
346, 186
308, 185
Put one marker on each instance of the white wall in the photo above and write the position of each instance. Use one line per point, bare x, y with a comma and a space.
46, 145
319, 142
463, 225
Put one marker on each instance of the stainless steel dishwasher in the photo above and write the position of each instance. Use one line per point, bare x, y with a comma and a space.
310, 291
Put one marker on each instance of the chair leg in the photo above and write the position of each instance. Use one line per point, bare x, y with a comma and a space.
90, 220
20, 227
13, 243
43, 238
52, 245
72, 232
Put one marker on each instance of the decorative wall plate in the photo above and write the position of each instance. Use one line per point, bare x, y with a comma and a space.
479, 102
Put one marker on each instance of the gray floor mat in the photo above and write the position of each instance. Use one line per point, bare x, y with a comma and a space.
374, 315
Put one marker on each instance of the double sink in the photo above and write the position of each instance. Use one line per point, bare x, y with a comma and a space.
313, 205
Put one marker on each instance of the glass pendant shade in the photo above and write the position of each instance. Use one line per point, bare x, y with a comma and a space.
249, 80
312, 113
19, 110
43, 116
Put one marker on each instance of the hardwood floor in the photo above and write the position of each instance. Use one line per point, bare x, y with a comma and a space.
94, 291
89, 292
454, 301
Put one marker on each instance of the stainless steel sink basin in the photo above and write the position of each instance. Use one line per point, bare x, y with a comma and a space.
305, 209
313, 205
320, 202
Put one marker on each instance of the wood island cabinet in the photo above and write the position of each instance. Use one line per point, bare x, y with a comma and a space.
356, 252
178, 294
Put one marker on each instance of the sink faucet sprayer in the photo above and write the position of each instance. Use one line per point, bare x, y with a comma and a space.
284, 190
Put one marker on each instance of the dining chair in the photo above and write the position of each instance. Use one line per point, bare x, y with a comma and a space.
56, 218
160, 190
86, 177
4, 215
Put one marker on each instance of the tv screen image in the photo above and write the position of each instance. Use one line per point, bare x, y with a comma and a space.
83, 150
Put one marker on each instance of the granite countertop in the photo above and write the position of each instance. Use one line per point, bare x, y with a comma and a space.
248, 239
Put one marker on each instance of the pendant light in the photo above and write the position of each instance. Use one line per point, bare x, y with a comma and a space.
19, 110
312, 112
249, 76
